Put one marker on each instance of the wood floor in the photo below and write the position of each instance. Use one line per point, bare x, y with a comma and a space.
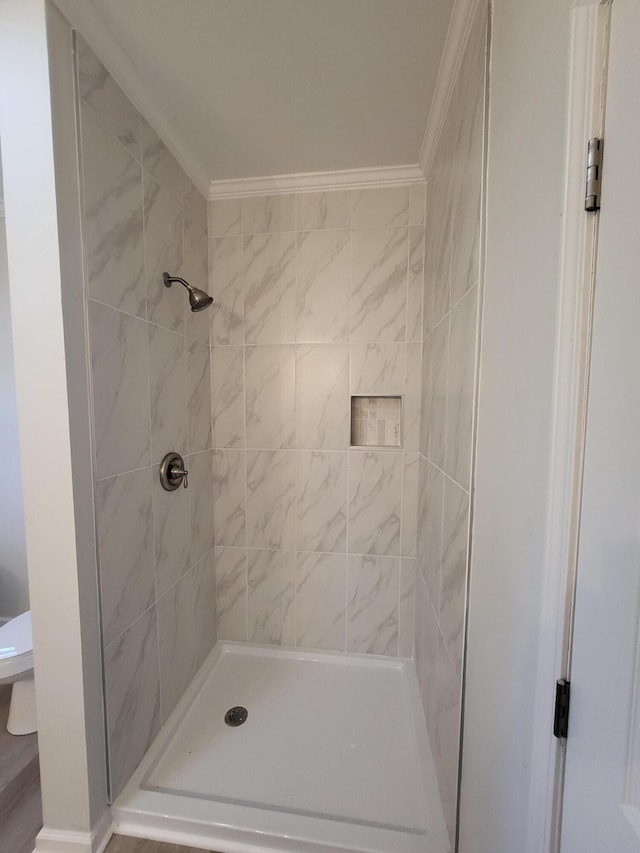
20, 802
120, 844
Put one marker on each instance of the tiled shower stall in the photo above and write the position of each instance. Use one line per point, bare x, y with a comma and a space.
287, 533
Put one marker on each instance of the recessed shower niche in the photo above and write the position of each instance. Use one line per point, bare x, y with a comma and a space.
376, 421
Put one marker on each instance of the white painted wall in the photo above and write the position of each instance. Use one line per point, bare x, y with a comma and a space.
41, 205
14, 592
527, 118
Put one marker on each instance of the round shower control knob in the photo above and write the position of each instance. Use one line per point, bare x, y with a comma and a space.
172, 472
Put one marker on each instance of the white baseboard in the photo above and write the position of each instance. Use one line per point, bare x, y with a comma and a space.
70, 841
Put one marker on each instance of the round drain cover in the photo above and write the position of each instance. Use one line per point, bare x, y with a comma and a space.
236, 716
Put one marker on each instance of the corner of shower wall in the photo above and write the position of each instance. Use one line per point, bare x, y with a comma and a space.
317, 297
150, 394
452, 299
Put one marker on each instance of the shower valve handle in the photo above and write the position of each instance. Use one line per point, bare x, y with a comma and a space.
179, 472
172, 472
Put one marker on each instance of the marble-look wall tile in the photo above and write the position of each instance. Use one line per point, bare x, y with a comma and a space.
446, 738
226, 288
231, 593
429, 539
198, 395
378, 368
269, 288
132, 688
453, 581
168, 399
379, 259
406, 608
323, 210
321, 501
321, 578
271, 490
372, 604
98, 89
194, 208
125, 544
195, 269
417, 200
112, 189
225, 217
436, 405
380, 208
270, 396
375, 485
230, 517
160, 163
271, 576
460, 389
410, 478
172, 526
426, 649
322, 267
415, 287
162, 253
227, 391
176, 643
412, 397
201, 509
426, 395
322, 396
203, 579
268, 213
120, 390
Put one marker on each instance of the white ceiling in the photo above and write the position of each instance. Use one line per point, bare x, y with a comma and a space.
253, 88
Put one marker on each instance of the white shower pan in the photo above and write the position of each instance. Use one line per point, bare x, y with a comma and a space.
333, 756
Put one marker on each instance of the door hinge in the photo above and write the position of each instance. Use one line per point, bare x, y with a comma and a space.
561, 715
594, 174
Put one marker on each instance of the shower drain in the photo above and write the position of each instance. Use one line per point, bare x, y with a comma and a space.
236, 716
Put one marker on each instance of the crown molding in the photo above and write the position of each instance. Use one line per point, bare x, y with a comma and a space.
462, 15
85, 18
308, 181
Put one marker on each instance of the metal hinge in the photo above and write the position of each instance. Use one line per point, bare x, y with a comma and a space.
561, 715
594, 170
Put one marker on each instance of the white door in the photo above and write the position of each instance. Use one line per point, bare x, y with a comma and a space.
601, 811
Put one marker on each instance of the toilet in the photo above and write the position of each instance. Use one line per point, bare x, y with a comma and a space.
16, 667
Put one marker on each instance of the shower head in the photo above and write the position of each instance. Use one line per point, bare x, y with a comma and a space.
198, 299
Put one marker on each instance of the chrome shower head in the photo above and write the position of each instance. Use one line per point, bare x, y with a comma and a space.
198, 299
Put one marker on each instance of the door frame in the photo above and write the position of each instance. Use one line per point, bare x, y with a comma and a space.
585, 119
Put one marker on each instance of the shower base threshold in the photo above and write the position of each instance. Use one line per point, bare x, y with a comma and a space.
333, 756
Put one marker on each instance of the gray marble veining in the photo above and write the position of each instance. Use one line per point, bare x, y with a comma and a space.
162, 253
172, 527
375, 484
268, 213
161, 164
378, 368
379, 260
226, 288
125, 544
410, 480
269, 288
201, 505
100, 91
270, 396
132, 683
380, 207
406, 608
176, 642
198, 395
322, 396
227, 392
322, 501
168, 399
271, 576
453, 581
271, 486
205, 629
322, 265
318, 210
231, 593
120, 390
372, 609
112, 206
415, 287
321, 578
230, 514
